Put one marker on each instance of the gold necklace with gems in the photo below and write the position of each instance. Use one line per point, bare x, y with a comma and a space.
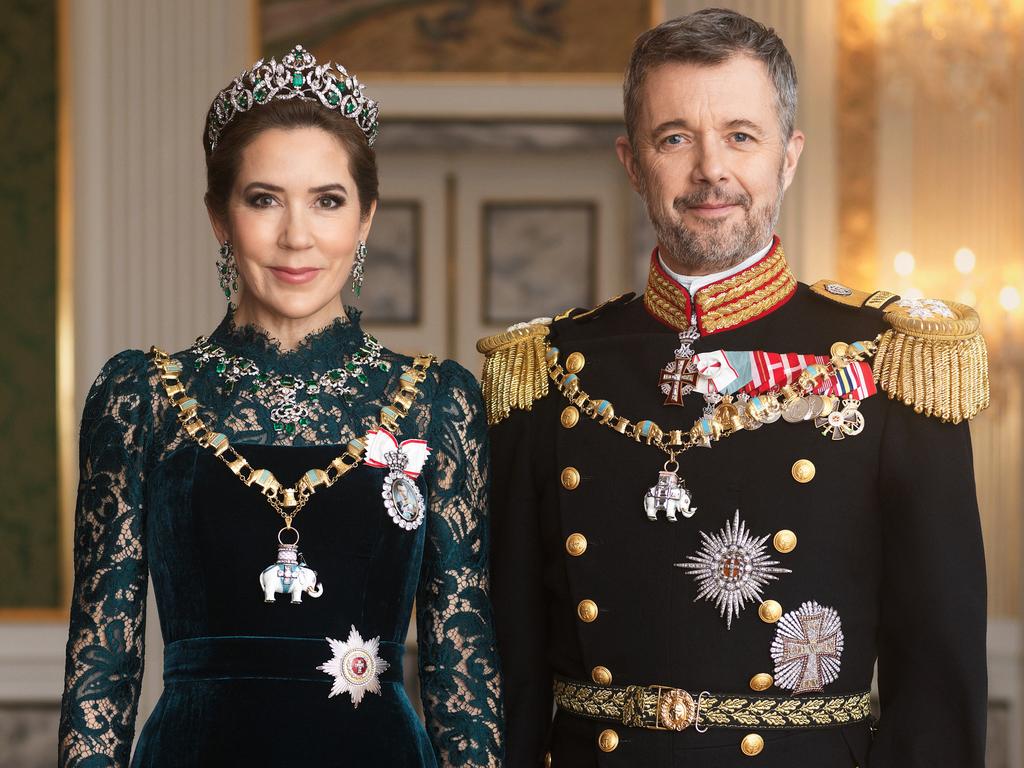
799, 401
290, 574
281, 391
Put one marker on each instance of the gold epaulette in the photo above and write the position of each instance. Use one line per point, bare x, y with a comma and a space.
514, 371
932, 358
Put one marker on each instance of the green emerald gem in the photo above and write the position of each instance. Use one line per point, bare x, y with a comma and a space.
333, 97
335, 375
350, 108
304, 422
242, 101
350, 366
289, 429
260, 95
362, 378
277, 427
297, 79
221, 367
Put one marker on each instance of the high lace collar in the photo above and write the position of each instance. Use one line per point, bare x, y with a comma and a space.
737, 299
321, 350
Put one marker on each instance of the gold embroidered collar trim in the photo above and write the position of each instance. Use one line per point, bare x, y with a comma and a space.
736, 300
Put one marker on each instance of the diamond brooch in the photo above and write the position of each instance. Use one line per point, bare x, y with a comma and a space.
731, 567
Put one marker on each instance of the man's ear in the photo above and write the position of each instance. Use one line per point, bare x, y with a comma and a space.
625, 152
794, 147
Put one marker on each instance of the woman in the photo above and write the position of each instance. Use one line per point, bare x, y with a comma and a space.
288, 418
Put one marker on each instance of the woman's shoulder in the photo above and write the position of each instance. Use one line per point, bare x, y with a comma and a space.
128, 367
122, 385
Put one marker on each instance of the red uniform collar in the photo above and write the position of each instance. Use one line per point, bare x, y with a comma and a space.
736, 300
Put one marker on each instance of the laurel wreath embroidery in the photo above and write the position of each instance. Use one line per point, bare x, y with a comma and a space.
637, 705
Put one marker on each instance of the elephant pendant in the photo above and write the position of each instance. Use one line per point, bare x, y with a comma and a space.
289, 575
668, 495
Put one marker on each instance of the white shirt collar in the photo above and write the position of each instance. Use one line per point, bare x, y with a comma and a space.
693, 283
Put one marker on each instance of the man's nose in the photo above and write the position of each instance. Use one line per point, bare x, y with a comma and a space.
710, 167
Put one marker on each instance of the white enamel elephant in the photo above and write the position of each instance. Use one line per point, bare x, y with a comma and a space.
290, 579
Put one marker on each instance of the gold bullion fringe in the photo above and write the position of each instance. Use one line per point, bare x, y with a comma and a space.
515, 374
940, 368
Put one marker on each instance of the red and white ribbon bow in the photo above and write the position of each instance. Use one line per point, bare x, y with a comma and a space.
381, 442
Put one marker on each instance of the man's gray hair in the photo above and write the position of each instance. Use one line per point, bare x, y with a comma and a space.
709, 37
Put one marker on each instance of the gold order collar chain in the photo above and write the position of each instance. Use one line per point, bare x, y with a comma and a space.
729, 417
286, 501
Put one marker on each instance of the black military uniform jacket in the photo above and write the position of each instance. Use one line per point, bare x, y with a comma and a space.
879, 530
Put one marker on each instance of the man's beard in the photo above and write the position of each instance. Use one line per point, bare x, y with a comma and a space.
715, 245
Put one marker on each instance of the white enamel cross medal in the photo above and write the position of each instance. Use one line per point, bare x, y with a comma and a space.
679, 375
405, 460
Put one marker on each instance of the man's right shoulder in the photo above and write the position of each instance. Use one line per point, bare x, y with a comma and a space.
517, 361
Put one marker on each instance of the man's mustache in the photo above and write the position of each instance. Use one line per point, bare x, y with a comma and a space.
711, 195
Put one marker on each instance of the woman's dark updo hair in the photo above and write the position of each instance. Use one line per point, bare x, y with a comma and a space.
222, 163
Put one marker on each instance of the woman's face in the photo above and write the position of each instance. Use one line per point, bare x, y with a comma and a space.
293, 218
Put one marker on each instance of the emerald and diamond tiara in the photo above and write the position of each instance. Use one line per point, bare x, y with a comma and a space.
296, 76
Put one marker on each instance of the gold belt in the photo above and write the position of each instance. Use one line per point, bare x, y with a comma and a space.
662, 708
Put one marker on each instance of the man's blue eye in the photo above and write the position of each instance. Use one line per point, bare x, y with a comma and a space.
675, 138
742, 138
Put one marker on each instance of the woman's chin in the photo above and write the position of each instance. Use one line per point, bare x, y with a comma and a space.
297, 306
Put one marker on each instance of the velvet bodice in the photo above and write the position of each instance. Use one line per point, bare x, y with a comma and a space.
150, 499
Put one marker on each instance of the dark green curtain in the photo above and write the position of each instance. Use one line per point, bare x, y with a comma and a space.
28, 195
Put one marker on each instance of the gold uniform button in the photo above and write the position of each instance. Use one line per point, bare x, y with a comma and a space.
587, 610
547, 760
574, 363
762, 681
608, 740
770, 611
785, 541
576, 544
803, 470
570, 478
601, 675
570, 415
752, 744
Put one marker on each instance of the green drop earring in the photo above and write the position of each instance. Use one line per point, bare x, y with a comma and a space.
357, 268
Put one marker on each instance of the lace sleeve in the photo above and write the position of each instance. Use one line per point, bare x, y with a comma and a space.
459, 676
103, 672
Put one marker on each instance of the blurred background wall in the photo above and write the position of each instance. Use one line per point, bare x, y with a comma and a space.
501, 199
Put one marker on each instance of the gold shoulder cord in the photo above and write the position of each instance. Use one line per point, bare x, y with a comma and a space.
287, 502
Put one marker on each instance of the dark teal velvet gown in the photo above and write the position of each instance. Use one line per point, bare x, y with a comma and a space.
241, 684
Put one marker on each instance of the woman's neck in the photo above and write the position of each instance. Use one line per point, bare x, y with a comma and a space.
288, 331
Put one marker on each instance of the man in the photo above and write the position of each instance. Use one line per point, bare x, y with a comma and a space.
709, 521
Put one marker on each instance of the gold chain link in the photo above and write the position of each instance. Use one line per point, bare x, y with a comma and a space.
287, 502
727, 419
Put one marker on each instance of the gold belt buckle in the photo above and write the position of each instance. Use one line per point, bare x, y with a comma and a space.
659, 708
676, 711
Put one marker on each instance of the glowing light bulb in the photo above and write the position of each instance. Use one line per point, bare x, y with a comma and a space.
1009, 298
964, 260
903, 263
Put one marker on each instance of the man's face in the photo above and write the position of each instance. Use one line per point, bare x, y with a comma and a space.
710, 161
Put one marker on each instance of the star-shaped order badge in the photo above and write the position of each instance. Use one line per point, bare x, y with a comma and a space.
355, 666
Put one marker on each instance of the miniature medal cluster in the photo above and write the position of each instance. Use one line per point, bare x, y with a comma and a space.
296, 76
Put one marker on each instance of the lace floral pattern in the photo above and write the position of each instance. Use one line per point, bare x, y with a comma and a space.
125, 432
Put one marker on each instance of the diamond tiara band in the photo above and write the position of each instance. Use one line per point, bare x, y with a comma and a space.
296, 76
